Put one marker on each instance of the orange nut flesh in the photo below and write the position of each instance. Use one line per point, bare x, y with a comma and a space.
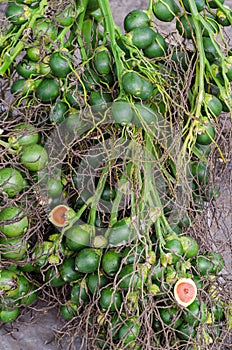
185, 291
58, 215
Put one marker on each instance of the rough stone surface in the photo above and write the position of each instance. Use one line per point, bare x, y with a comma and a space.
31, 330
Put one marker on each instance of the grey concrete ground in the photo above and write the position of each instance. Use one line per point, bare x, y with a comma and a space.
35, 330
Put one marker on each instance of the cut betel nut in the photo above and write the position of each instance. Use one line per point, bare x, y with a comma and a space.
185, 291
60, 215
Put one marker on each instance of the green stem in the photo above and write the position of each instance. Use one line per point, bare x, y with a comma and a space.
110, 27
118, 197
10, 56
151, 194
79, 27
198, 154
11, 33
227, 12
121, 184
150, 8
62, 35
160, 212
155, 202
159, 235
211, 35
7, 146
217, 81
97, 196
202, 58
77, 216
